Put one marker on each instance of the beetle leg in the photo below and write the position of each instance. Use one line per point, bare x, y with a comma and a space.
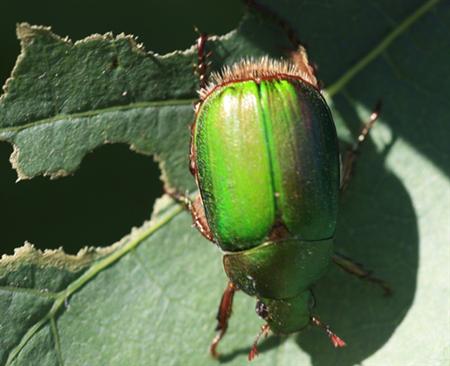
202, 59
350, 156
337, 341
223, 315
254, 351
195, 207
199, 218
358, 270
181, 198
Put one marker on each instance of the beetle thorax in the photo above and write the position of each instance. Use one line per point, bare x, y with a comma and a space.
262, 69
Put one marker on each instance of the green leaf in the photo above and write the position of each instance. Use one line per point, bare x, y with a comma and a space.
151, 299
64, 99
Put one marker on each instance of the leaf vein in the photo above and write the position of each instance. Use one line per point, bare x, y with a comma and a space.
55, 334
149, 278
338, 85
29, 291
91, 273
96, 112
154, 282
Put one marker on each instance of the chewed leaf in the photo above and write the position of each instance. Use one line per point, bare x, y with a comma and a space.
64, 99
151, 299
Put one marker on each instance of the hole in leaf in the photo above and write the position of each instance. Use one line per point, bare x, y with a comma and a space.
113, 190
163, 26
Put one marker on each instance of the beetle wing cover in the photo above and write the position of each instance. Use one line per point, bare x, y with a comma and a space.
234, 167
267, 154
304, 157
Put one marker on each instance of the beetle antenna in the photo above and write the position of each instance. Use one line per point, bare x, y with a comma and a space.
336, 340
254, 351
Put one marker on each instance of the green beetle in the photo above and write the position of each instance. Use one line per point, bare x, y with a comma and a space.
265, 157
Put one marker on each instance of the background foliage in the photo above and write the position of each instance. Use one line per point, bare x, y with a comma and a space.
42, 211
151, 298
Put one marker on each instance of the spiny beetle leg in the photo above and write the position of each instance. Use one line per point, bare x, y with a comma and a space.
351, 154
182, 199
223, 315
254, 350
336, 340
195, 207
358, 270
202, 58
199, 218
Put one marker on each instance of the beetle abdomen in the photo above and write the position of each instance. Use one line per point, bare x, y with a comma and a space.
266, 154
279, 269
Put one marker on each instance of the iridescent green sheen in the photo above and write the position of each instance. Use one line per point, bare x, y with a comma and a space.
266, 153
304, 157
288, 316
233, 165
280, 274
279, 269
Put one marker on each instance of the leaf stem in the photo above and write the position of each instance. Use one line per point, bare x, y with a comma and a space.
63, 295
361, 64
102, 264
56, 341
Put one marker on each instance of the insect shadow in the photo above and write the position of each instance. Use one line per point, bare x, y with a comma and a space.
265, 346
377, 226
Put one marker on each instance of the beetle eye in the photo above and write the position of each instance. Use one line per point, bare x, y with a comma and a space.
262, 310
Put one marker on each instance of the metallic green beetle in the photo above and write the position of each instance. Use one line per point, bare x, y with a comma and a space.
264, 153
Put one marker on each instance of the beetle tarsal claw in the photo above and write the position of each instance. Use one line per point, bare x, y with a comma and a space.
334, 338
254, 350
337, 342
214, 344
223, 315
